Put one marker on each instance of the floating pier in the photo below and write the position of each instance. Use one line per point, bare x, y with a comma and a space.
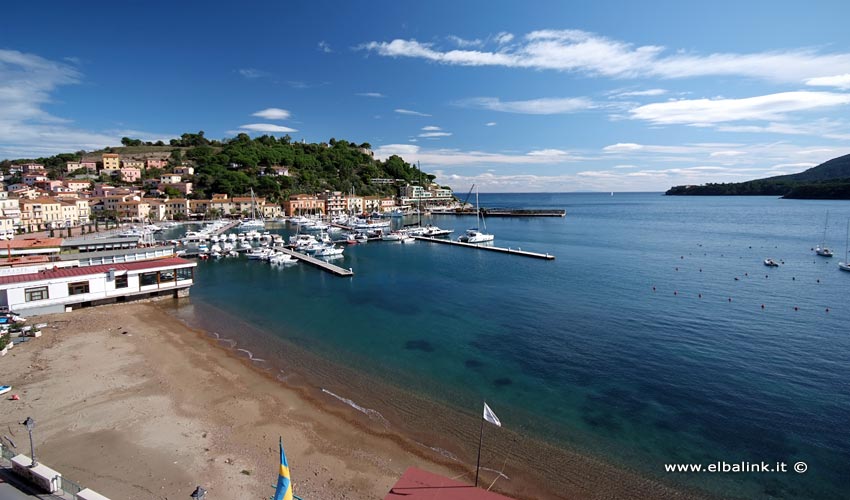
327, 266
481, 246
509, 212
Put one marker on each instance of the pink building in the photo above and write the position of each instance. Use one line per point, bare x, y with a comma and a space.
130, 174
156, 163
77, 185
32, 179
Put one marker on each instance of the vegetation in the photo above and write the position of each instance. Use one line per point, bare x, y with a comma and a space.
829, 180
235, 166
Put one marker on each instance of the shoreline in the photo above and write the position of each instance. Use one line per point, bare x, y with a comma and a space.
226, 411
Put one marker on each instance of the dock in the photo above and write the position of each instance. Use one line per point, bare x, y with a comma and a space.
509, 212
479, 246
326, 266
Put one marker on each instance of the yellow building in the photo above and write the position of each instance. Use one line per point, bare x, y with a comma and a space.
111, 161
41, 213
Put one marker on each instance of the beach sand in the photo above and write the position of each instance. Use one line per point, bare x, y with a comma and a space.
136, 405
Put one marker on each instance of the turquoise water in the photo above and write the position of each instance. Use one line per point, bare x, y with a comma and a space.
581, 350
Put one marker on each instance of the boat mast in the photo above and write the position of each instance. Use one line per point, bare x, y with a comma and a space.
825, 224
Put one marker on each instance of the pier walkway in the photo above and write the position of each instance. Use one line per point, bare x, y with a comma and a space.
512, 251
327, 266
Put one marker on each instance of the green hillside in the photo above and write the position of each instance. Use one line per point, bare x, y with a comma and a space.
235, 166
829, 180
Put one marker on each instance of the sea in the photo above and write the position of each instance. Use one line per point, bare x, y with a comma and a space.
657, 336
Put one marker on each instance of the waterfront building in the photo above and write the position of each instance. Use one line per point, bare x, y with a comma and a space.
299, 204
335, 204
177, 208
30, 247
41, 213
56, 289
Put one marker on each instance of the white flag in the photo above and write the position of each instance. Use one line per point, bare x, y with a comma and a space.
490, 416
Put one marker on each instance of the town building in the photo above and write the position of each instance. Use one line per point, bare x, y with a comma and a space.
130, 174
335, 203
73, 166
61, 289
184, 170
111, 161
133, 164
156, 163
10, 215
299, 204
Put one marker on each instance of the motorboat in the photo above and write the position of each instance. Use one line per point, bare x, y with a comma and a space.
770, 263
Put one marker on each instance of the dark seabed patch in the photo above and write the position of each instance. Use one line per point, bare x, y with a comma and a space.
419, 345
473, 363
502, 382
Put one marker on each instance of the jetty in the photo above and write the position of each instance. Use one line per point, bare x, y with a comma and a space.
479, 246
509, 212
321, 264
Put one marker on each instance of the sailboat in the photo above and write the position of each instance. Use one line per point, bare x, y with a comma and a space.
845, 266
821, 249
474, 235
253, 221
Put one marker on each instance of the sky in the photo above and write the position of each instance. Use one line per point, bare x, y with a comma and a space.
549, 96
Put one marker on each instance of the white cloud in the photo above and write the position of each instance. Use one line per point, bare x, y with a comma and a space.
503, 38
370, 94
726, 154
272, 114
622, 167
267, 127
463, 43
27, 82
638, 93
252, 73
840, 81
455, 157
402, 111
712, 111
543, 106
431, 128
324, 47
490, 124
589, 53
432, 135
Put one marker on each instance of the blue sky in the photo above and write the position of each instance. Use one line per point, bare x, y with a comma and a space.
514, 96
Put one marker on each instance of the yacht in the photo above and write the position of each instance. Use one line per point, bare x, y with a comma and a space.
770, 263
474, 235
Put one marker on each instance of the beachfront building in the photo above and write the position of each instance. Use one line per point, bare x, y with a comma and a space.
177, 209
430, 196
111, 162
272, 211
56, 289
299, 204
40, 213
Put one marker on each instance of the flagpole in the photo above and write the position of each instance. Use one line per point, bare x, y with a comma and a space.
478, 461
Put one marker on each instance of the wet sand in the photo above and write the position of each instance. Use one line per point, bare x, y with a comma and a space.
134, 404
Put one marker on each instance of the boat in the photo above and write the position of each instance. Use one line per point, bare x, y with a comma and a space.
253, 221
432, 231
408, 239
328, 251
474, 235
5, 388
770, 263
821, 249
393, 236
845, 266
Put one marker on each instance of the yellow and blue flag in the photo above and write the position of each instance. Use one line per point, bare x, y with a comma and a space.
284, 484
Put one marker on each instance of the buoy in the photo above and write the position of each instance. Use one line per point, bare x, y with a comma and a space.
700, 269
827, 309
700, 295
762, 306
765, 276
675, 292
682, 257
653, 289
677, 268
730, 299
736, 278
15, 397
818, 280
796, 308
793, 278
746, 274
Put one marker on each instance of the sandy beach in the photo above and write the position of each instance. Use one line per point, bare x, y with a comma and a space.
133, 403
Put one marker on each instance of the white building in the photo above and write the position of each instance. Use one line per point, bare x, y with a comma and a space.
58, 289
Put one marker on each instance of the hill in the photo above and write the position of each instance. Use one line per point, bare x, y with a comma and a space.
237, 165
828, 181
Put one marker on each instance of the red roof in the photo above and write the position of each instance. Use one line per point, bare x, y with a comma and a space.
70, 272
417, 484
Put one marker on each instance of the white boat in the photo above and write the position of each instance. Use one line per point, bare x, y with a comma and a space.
254, 221
5, 388
393, 236
434, 231
329, 251
408, 239
474, 235
770, 263
257, 253
845, 266
281, 258
822, 249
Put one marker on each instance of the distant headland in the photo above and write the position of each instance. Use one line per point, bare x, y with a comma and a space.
828, 181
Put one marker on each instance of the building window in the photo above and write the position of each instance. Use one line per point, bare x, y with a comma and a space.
146, 279
167, 275
78, 288
37, 293
184, 273
121, 281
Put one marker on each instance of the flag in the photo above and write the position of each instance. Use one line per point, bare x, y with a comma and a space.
490, 416
284, 484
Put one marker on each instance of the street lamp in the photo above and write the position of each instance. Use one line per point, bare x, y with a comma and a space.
30, 423
199, 493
